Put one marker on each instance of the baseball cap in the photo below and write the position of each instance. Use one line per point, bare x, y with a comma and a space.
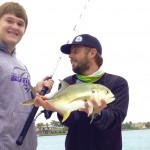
85, 40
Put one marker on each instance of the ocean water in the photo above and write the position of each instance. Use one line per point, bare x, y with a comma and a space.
51, 142
132, 140
136, 140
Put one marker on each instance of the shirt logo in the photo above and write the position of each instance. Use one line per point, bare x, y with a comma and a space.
22, 76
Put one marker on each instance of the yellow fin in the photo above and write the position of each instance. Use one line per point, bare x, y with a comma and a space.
29, 102
63, 86
90, 110
32, 90
66, 115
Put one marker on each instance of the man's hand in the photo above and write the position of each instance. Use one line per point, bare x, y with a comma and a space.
96, 107
44, 82
43, 101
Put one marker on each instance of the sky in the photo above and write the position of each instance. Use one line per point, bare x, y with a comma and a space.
122, 27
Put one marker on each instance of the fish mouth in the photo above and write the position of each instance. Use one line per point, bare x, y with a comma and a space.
113, 98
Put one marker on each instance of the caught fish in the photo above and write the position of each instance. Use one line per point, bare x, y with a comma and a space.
73, 97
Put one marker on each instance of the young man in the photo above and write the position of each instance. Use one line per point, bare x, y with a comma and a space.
14, 81
104, 133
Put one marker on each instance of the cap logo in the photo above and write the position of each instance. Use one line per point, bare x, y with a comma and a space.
78, 39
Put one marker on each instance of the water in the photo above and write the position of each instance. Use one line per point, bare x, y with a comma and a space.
136, 140
132, 140
51, 142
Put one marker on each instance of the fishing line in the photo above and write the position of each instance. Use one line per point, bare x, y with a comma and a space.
80, 17
47, 113
43, 92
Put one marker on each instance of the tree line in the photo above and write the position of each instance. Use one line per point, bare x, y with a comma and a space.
125, 126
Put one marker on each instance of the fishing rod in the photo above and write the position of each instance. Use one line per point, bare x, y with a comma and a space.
48, 113
35, 109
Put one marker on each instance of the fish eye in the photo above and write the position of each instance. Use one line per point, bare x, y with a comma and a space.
106, 91
85, 100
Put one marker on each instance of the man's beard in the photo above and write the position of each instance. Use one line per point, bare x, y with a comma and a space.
81, 67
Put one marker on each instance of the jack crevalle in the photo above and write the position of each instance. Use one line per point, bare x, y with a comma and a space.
73, 97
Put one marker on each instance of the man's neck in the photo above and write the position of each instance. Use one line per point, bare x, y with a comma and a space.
91, 70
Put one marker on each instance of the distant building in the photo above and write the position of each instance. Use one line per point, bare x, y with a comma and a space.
140, 125
49, 130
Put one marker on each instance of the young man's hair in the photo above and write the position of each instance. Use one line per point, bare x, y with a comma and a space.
15, 9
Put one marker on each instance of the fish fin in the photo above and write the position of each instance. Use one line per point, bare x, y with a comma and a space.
66, 115
63, 86
94, 116
90, 110
32, 90
92, 119
29, 102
